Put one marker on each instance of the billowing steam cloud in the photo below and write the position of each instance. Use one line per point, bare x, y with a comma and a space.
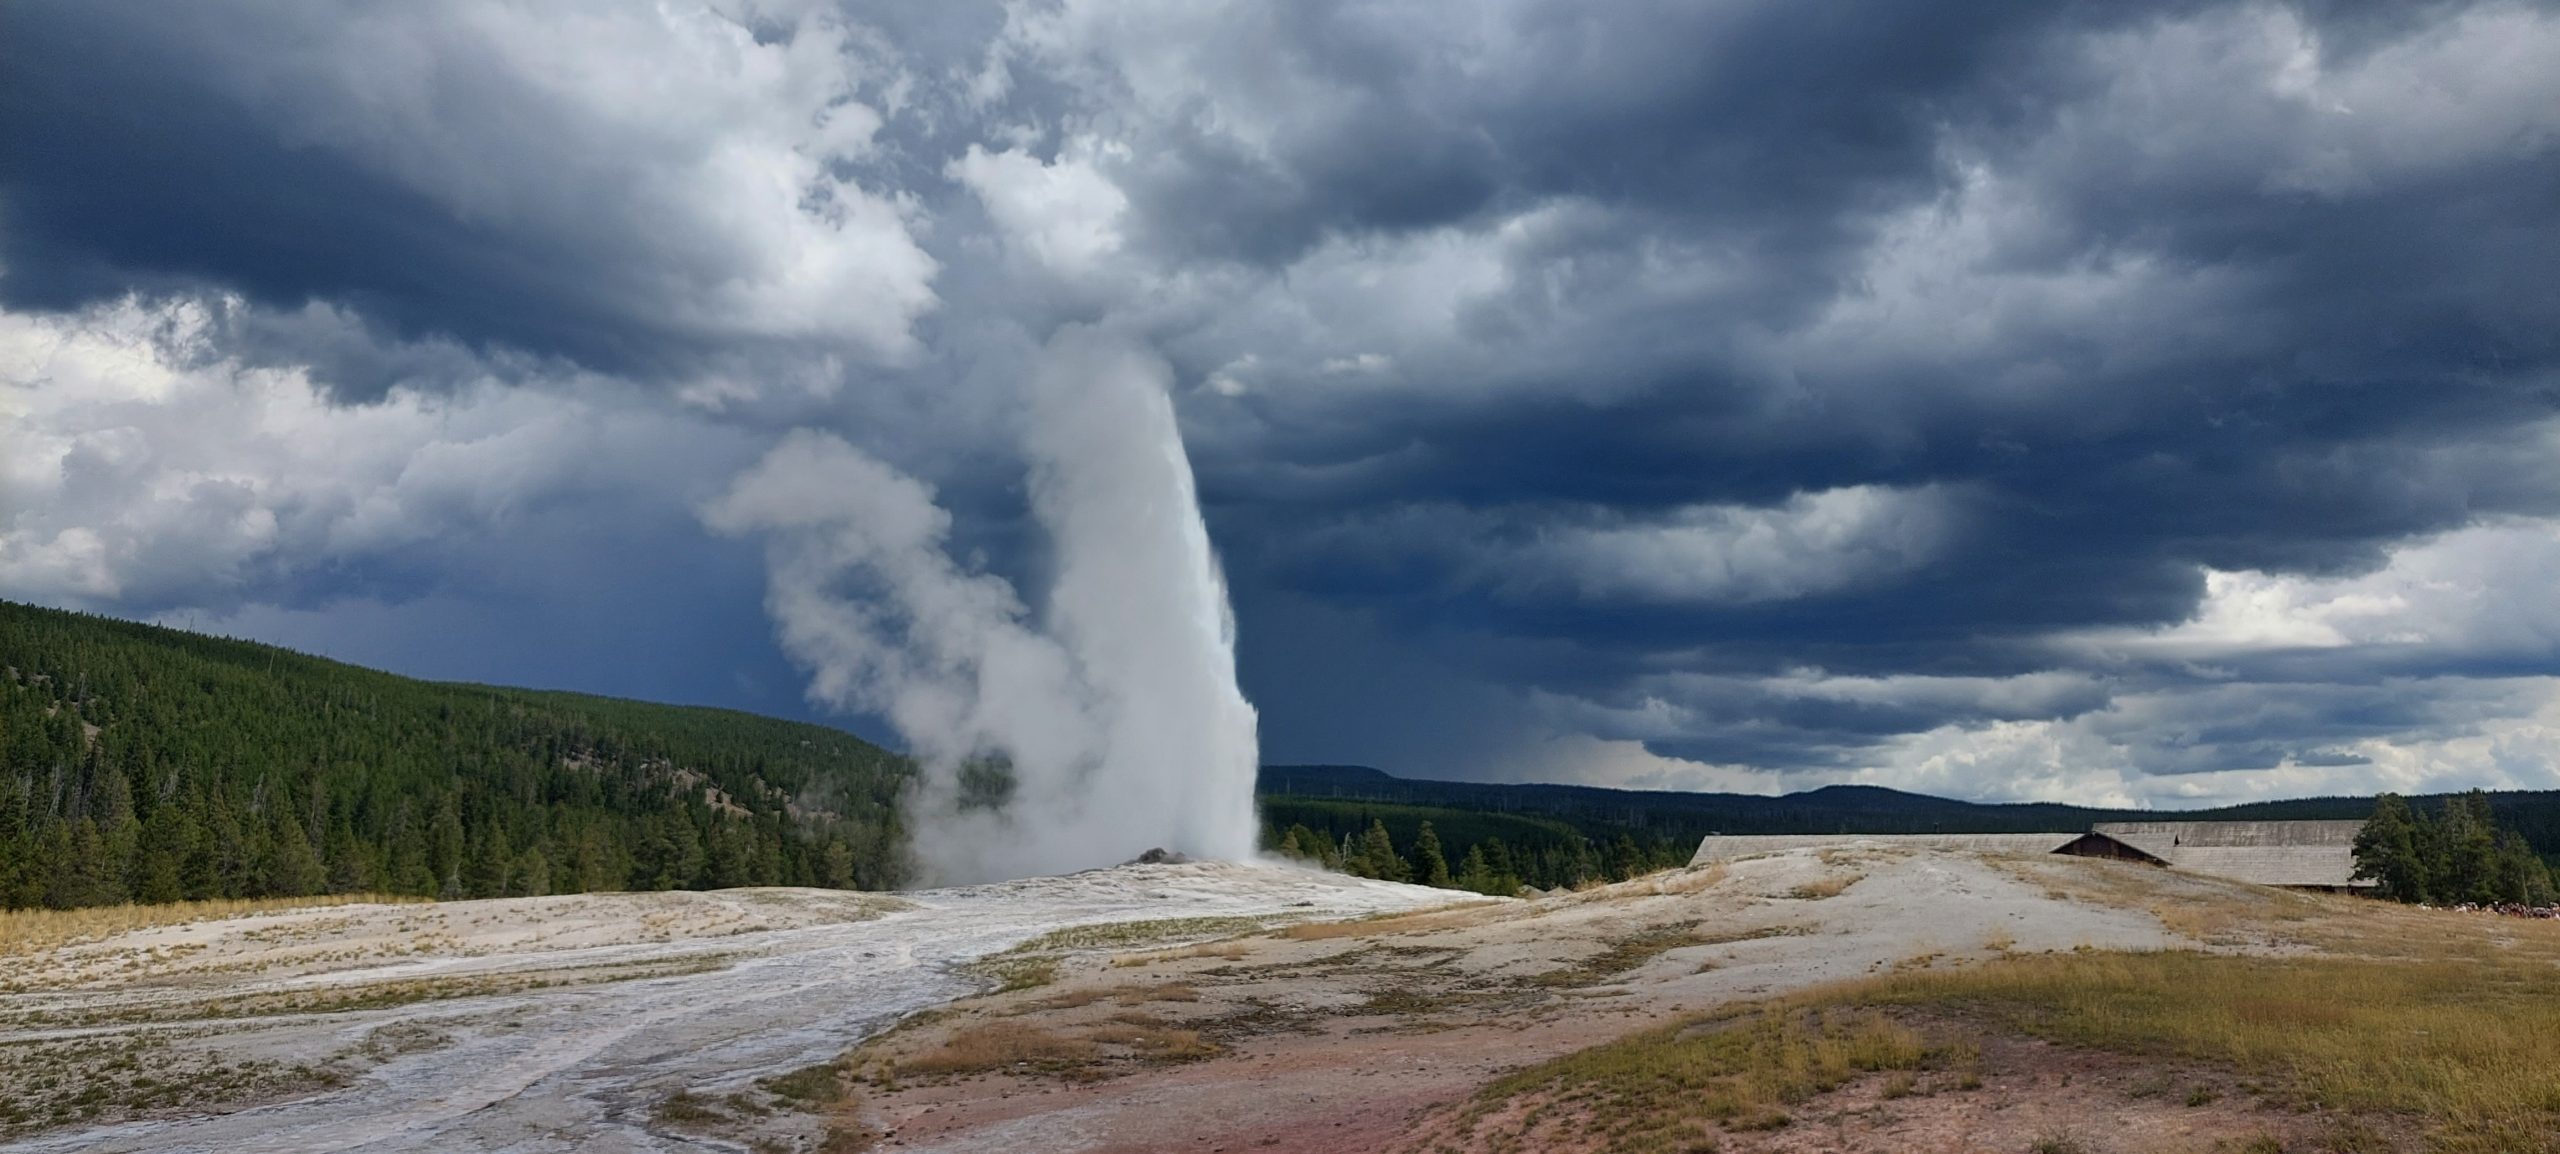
1114, 699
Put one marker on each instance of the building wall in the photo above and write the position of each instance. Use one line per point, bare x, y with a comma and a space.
1718, 847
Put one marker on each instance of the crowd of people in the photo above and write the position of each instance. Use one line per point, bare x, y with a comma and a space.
2509, 909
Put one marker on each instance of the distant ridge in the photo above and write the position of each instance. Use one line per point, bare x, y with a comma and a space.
1672, 815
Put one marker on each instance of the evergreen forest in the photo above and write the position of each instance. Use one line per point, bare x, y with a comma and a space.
2453, 853
1492, 853
146, 764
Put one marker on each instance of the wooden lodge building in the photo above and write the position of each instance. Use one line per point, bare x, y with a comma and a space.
2297, 854
2302, 854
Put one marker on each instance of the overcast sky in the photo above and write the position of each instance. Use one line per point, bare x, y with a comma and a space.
2126, 403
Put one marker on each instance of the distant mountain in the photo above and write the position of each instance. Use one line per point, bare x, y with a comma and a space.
1673, 818
146, 764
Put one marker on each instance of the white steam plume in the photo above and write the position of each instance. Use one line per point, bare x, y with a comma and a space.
1116, 703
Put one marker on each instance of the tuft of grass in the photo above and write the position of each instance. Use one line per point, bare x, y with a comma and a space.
847, 1136
35, 931
1830, 887
1152, 1039
1383, 925
1124, 935
1015, 973
809, 1087
686, 1108
1230, 951
1001, 1045
1130, 994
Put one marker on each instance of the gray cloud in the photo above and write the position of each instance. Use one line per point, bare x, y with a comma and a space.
2028, 401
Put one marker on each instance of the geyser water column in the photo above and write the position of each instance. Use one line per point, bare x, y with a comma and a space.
1138, 597
1115, 704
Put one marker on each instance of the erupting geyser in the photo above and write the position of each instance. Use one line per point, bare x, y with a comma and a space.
1115, 703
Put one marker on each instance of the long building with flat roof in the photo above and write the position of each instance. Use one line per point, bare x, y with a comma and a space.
2307, 854
2314, 854
1719, 847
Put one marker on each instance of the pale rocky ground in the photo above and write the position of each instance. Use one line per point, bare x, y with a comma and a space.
547, 1024
1343, 1043
1273, 1026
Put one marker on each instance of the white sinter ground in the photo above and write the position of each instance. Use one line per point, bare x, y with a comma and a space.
578, 1067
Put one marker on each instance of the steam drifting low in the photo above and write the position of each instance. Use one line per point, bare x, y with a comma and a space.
1114, 698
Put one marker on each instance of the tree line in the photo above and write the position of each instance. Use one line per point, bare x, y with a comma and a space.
2456, 855
1542, 853
146, 764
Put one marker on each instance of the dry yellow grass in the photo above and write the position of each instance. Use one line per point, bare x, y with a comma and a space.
35, 931
2471, 1045
2387, 1017
1126, 995
1830, 887
1445, 918
1152, 1038
1229, 951
1104, 935
1672, 1088
996, 1046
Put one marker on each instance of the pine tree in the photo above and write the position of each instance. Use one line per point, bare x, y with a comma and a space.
405, 860
532, 877
835, 865
488, 861
2386, 851
81, 874
1430, 865
445, 849
159, 867
292, 867
1623, 859
1472, 871
2467, 845
1378, 855
13, 828
344, 858
2522, 878
1502, 871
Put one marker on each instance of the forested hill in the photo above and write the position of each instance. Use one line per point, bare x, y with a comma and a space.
1572, 831
148, 764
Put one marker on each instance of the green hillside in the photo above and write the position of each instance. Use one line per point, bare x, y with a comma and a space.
147, 764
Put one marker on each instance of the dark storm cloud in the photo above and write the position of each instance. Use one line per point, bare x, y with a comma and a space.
1796, 388
404, 162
